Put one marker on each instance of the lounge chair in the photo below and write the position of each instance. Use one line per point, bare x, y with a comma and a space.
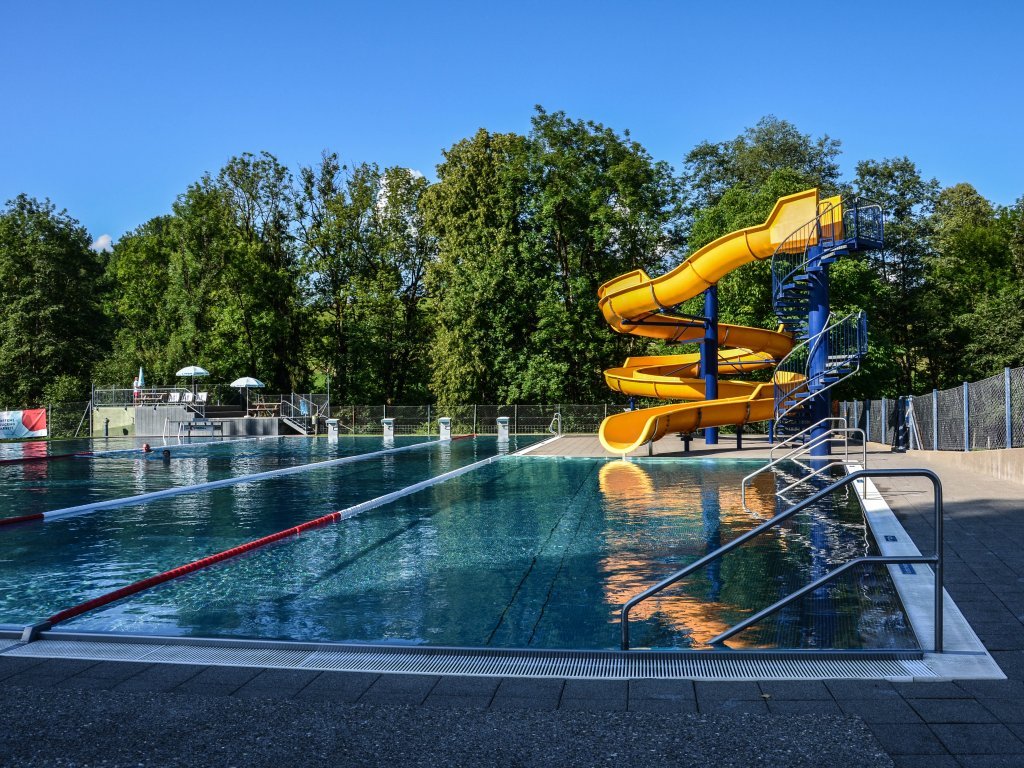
201, 398
173, 398
186, 398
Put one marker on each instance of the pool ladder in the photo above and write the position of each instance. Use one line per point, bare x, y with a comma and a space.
934, 559
841, 432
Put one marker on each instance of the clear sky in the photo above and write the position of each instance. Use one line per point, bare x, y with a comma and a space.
112, 108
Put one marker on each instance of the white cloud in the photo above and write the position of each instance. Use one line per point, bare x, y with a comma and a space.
103, 243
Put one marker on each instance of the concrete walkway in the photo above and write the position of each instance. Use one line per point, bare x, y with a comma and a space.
113, 714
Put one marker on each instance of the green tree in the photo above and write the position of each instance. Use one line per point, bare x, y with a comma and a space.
366, 252
51, 293
483, 284
750, 159
895, 303
139, 267
528, 229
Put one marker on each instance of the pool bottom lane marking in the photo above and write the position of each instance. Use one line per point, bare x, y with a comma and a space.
143, 498
205, 562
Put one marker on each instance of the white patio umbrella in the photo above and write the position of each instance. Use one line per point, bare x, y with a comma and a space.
192, 371
247, 382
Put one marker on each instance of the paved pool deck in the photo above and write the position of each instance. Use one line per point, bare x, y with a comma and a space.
85, 713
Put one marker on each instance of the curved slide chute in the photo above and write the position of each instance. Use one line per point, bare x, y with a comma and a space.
643, 306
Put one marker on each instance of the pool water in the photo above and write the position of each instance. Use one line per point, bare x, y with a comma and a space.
525, 552
121, 469
45, 567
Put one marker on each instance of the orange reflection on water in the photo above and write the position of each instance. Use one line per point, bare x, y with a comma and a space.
629, 490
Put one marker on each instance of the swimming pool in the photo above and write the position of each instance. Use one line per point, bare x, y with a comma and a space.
527, 552
117, 468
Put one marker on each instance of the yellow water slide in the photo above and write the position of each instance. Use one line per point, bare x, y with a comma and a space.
640, 305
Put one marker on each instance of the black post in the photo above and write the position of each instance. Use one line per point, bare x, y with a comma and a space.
686, 442
739, 437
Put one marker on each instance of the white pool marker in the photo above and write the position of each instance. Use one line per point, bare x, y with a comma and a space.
444, 426
389, 428
503, 429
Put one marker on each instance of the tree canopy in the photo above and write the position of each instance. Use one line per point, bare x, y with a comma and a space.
481, 286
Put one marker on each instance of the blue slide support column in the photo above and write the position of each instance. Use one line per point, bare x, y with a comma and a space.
820, 405
709, 356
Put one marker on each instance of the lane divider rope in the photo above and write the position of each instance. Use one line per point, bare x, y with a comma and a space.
206, 562
47, 457
142, 498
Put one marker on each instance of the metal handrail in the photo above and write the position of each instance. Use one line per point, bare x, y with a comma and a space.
792, 438
801, 450
790, 388
556, 419
934, 559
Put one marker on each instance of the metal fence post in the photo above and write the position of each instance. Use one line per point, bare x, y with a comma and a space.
515, 419
429, 425
867, 420
935, 419
885, 423
474, 419
967, 419
1009, 419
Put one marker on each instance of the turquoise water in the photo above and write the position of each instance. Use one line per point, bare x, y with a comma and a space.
525, 552
45, 567
119, 469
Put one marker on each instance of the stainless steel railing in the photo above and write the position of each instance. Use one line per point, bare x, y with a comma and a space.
802, 450
934, 559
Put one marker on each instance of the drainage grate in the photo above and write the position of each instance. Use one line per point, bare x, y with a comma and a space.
577, 665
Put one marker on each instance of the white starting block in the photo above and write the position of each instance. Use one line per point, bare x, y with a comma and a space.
503, 429
332, 430
445, 427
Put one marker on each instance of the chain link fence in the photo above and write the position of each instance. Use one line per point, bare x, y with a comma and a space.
979, 415
473, 419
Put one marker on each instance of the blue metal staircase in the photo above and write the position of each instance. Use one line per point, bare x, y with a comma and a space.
840, 228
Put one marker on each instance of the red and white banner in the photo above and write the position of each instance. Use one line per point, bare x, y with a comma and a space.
15, 424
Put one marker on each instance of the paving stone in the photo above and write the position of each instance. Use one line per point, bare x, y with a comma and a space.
663, 706
706, 690
609, 694
861, 689
806, 690
115, 670
224, 676
907, 739
925, 761
512, 687
979, 739
12, 665
952, 711
929, 690
457, 702
812, 707
732, 707
881, 710
990, 761
1005, 710
452, 685
337, 686
399, 689
159, 677
545, 704
282, 682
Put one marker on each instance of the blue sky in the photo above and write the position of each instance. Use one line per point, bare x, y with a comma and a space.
113, 108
